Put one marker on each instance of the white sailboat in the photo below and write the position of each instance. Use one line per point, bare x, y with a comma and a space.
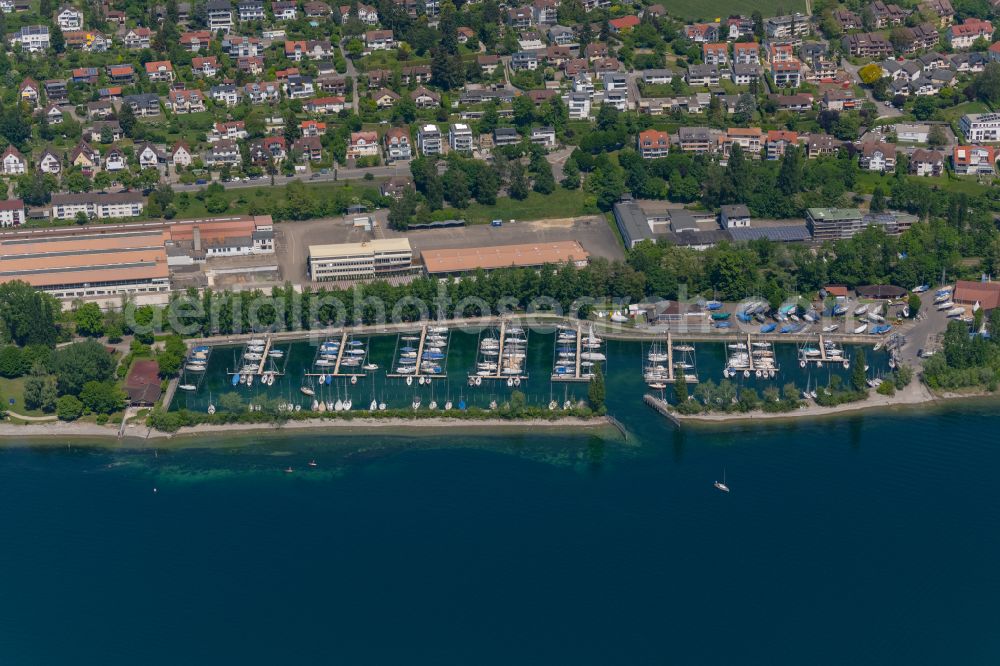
721, 485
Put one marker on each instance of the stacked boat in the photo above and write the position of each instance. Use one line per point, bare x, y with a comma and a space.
354, 355
197, 360
327, 354
565, 353
513, 355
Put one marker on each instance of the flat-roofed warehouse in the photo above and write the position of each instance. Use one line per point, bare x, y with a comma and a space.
75, 265
456, 261
360, 261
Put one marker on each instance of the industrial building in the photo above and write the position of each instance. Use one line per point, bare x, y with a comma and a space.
72, 264
360, 261
457, 261
200, 240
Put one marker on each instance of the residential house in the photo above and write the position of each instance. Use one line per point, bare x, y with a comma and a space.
206, 67
160, 70
868, 45
560, 35
623, 24
964, 35
544, 136
397, 144
877, 156
186, 101
266, 150
219, 15
324, 105
746, 53
312, 128
379, 40
520, 18
424, 98
121, 73
786, 27
777, 142
308, 148
196, 40
29, 92
227, 94
429, 140
715, 53
137, 38
702, 32
230, 130
86, 158
596, 50
821, 145
847, 19
743, 74
181, 155
926, 162
973, 160
284, 10
839, 99
149, 156
942, 9
31, 38
545, 12
250, 10
13, 163
787, 74
653, 144
316, 10
143, 104
749, 139
396, 187
224, 152
887, 15
57, 91
299, 87
524, 60
53, 114
86, 75
460, 138
385, 98
69, 18
703, 75
695, 139
11, 213
251, 65
578, 105
49, 162
262, 92
363, 144
241, 46
796, 102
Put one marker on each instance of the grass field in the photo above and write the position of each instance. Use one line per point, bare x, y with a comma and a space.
559, 204
14, 388
709, 10
241, 199
963, 184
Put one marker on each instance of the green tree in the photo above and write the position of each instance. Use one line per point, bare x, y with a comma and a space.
596, 390
571, 176
913, 304
11, 361
40, 392
858, 379
127, 120
56, 39
518, 187
69, 408
89, 320
27, 317
76, 364
790, 175
545, 183
102, 397
878, 204
681, 388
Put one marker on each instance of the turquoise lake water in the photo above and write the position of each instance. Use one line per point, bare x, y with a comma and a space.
868, 539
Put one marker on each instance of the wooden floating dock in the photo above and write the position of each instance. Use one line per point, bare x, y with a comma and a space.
661, 407
418, 373
336, 366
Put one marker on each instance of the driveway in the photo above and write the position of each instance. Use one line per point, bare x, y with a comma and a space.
883, 110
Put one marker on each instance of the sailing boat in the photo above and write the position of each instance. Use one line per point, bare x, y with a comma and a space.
721, 485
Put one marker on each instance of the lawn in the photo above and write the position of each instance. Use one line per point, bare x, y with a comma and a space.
241, 199
709, 10
954, 113
559, 204
14, 388
964, 184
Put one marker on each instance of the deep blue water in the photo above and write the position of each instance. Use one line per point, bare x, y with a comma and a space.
864, 540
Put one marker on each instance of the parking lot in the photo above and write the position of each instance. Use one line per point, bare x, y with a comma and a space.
292, 239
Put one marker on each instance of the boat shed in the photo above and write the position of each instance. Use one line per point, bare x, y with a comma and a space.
143, 384
968, 292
